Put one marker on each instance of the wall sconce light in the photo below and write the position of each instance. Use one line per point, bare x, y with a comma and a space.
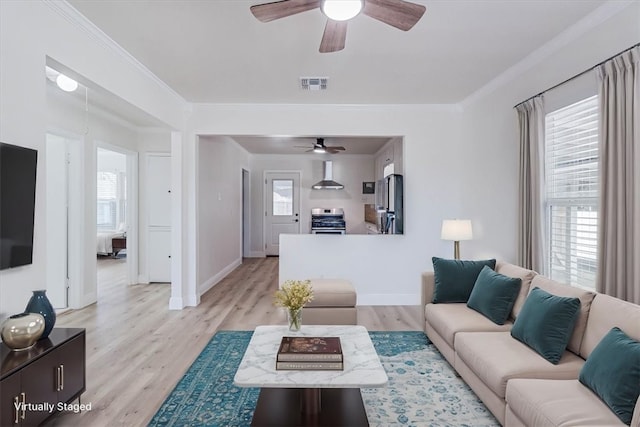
456, 230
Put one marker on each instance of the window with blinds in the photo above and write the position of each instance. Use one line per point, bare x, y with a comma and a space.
111, 208
571, 169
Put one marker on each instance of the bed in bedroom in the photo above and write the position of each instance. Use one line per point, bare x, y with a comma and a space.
110, 244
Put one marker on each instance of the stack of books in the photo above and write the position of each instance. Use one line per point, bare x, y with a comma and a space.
310, 353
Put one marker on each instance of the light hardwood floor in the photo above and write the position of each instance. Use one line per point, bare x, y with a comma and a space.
137, 349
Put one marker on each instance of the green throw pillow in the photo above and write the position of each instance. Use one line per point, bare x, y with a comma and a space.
612, 371
546, 323
454, 279
494, 294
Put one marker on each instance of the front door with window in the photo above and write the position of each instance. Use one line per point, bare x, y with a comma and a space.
282, 210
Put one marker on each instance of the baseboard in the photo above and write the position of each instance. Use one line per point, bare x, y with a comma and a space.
257, 254
204, 287
88, 299
192, 301
176, 303
388, 299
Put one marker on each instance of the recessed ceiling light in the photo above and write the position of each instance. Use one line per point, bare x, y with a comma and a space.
341, 10
66, 83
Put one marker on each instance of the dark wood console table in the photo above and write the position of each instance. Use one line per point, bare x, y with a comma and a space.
52, 372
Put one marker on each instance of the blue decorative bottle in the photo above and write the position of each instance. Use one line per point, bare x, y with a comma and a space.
39, 303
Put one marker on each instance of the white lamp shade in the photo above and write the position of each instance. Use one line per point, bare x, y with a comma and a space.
456, 229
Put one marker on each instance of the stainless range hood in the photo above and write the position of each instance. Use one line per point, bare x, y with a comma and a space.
328, 183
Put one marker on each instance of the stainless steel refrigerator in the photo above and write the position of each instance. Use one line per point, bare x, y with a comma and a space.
394, 204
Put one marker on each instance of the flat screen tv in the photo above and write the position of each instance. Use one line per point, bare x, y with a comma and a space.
17, 204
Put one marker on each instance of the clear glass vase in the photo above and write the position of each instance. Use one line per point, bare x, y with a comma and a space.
294, 317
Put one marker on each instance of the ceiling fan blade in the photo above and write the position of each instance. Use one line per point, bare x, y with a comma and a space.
397, 13
336, 147
330, 150
280, 9
334, 37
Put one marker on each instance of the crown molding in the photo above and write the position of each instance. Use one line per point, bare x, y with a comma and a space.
448, 108
69, 13
592, 20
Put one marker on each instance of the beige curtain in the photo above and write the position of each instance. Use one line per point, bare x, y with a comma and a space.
531, 242
619, 200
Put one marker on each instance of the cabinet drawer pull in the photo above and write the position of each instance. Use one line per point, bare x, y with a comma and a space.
61, 377
16, 401
57, 378
24, 405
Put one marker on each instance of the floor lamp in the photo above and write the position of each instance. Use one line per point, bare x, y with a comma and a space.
456, 230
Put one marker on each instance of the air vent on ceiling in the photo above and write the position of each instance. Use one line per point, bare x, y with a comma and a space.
313, 83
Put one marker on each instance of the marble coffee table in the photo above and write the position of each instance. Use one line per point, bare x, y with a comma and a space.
289, 398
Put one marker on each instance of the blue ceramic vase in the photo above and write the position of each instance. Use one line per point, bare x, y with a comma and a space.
39, 303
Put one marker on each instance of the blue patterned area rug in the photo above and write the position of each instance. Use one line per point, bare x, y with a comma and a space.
422, 391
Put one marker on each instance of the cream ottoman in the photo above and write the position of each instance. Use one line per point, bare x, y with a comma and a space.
334, 303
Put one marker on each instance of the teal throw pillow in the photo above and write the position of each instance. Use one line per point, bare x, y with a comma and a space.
454, 279
546, 323
494, 295
612, 371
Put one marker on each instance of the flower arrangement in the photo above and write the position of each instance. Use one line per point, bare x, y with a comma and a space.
293, 295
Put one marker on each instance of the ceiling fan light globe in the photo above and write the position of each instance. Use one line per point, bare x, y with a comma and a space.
319, 150
341, 10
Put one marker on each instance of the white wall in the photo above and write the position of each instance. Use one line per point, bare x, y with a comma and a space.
491, 130
348, 170
219, 208
433, 179
111, 161
456, 165
29, 32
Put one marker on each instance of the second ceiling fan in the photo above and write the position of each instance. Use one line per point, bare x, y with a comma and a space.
319, 147
397, 13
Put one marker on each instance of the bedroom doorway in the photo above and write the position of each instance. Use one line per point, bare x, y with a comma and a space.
116, 217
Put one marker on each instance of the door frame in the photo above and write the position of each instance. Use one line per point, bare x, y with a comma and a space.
245, 244
132, 207
264, 203
70, 142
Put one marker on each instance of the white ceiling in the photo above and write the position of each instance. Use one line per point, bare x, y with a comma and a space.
217, 52
292, 145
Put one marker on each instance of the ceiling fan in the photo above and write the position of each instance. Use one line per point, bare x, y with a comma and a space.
319, 147
397, 13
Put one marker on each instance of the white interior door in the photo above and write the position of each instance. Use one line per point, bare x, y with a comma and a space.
57, 159
160, 256
282, 208
159, 190
159, 210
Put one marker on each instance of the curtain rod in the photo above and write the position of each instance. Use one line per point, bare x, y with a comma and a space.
577, 75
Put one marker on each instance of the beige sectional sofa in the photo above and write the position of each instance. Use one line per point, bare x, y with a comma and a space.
518, 385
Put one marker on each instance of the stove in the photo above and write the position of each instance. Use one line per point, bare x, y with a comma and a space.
328, 221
